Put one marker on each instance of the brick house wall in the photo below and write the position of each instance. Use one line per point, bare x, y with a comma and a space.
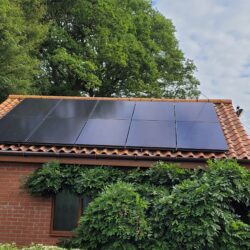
23, 219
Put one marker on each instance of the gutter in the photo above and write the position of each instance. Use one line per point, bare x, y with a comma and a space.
111, 157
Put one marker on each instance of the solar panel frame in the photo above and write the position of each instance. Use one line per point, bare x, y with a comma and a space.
120, 110
30, 112
158, 111
58, 131
15, 129
200, 136
195, 111
74, 109
104, 132
34, 107
143, 134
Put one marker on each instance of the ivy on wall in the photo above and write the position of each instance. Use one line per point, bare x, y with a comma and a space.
163, 207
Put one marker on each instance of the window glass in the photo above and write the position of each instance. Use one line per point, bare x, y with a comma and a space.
66, 211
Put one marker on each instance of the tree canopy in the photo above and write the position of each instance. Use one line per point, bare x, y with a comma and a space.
86, 47
114, 47
21, 33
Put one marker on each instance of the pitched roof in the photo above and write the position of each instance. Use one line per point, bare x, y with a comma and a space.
235, 134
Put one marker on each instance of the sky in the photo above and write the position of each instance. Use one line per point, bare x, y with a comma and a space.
215, 34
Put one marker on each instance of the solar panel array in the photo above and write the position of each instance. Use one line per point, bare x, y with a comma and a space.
140, 124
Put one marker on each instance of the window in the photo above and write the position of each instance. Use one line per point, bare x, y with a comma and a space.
67, 209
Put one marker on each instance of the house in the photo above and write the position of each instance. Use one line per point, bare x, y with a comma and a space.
138, 133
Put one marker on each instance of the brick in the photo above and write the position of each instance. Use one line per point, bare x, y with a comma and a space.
23, 219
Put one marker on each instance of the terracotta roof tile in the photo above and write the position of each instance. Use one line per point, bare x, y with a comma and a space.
235, 134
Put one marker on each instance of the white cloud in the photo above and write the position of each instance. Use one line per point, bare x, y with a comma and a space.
216, 35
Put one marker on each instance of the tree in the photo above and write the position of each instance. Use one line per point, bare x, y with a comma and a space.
113, 48
21, 33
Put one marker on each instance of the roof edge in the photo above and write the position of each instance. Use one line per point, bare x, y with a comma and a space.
226, 101
28, 157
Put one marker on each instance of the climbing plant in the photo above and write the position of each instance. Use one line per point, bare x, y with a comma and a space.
162, 207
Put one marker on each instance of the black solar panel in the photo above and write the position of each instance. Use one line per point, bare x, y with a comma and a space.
159, 111
73, 109
58, 131
152, 134
34, 107
200, 136
17, 128
195, 111
103, 132
113, 110
20, 122
162, 125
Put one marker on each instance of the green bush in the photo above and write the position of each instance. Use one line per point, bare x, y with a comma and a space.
13, 246
8, 246
46, 180
114, 220
198, 213
163, 207
235, 236
42, 247
52, 178
160, 174
92, 181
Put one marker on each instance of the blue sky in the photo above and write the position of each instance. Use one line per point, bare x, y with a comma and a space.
215, 34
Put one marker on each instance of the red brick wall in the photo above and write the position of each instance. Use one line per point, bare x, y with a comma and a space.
23, 219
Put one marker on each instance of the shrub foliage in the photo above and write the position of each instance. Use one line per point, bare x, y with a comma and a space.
163, 207
32, 247
119, 216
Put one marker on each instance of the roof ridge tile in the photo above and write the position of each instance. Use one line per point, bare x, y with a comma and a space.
21, 97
